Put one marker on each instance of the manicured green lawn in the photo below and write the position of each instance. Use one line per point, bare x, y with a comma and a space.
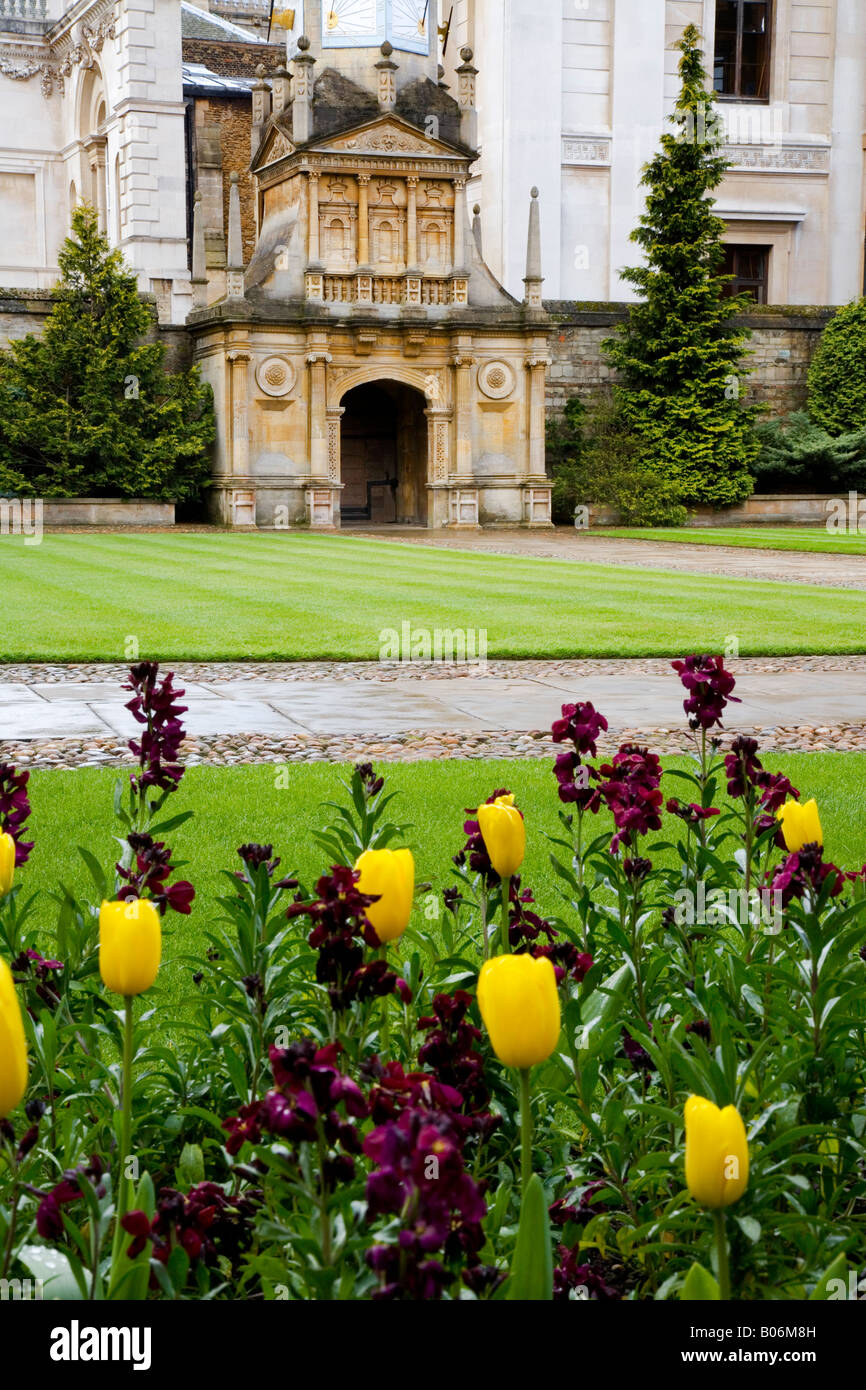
306, 597
238, 805
809, 538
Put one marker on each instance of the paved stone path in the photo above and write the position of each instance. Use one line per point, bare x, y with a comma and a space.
73, 716
786, 566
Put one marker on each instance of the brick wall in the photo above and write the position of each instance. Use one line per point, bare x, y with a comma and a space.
25, 311
230, 118
234, 59
782, 345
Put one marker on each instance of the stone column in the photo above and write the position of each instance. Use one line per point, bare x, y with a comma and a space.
463, 364
412, 222
240, 452
363, 220
318, 359
460, 225
313, 218
387, 84
536, 366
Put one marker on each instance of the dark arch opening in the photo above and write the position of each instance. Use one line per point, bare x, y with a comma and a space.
383, 456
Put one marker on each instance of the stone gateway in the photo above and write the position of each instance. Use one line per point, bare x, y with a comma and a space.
366, 364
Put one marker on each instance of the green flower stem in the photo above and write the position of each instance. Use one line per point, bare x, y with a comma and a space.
722, 1253
525, 1129
123, 1184
485, 939
506, 902
13, 1214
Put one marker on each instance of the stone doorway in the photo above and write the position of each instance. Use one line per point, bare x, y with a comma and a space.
383, 464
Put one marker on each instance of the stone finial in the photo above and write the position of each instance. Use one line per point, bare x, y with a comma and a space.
533, 279
235, 247
199, 263
387, 86
466, 75
476, 228
261, 98
440, 73
282, 90
303, 82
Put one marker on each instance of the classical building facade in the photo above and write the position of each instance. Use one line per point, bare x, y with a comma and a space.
366, 364
572, 95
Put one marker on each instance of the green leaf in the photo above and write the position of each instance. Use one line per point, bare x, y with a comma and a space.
190, 1170
55, 1271
837, 1270
532, 1267
699, 1286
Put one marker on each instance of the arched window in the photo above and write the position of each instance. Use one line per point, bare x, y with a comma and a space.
435, 243
337, 238
387, 243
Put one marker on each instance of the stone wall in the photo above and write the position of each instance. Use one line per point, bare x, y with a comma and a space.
25, 311
783, 342
782, 345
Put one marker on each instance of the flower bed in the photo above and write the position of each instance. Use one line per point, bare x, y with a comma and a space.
656, 1094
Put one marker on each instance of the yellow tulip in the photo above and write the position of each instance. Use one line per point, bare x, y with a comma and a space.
504, 833
717, 1153
801, 824
130, 945
388, 874
7, 863
519, 1003
13, 1046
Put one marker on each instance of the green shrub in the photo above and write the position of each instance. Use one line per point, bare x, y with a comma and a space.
595, 458
798, 454
680, 354
837, 399
87, 409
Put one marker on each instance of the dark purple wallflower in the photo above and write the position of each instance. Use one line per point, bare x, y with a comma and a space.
582, 725
805, 873
691, 813
148, 879
569, 1276
632, 791
32, 968
634, 1053
421, 1178
15, 808
709, 688
49, 1213
340, 933
154, 704
450, 1053
206, 1222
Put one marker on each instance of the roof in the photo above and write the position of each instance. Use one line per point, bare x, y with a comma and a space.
199, 24
199, 78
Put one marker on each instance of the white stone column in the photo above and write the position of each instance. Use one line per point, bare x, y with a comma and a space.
637, 121
459, 225
844, 259
536, 366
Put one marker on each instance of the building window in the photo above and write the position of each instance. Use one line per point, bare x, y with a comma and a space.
741, 63
749, 265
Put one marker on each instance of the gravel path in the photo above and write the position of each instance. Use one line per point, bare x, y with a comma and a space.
503, 683
731, 562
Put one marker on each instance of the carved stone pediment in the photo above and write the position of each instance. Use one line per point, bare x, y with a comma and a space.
388, 135
276, 146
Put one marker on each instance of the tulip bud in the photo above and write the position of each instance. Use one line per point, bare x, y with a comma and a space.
504, 834
130, 945
801, 824
13, 1046
388, 874
717, 1153
7, 863
519, 1003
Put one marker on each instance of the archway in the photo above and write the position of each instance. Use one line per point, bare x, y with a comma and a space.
383, 455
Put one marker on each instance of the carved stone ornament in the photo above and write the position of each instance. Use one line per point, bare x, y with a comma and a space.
275, 376
496, 380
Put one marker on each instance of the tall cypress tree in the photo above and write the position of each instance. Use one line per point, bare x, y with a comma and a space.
680, 356
88, 408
